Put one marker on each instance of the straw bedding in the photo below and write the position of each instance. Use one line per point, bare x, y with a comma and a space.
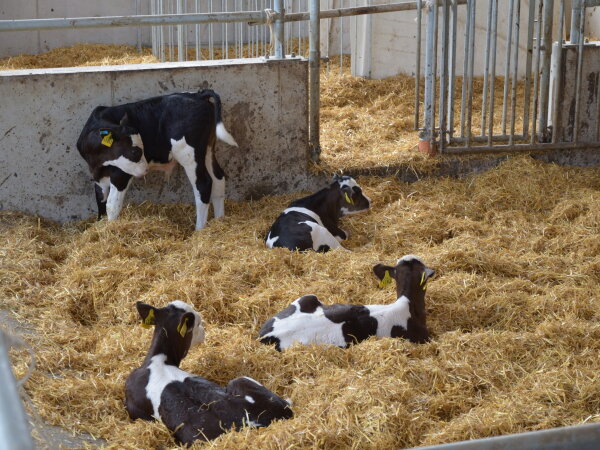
513, 310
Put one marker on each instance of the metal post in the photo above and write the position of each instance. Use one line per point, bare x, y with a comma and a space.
426, 141
13, 422
545, 74
444, 73
558, 70
180, 46
513, 97
313, 80
578, 5
579, 74
278, 34
509, 43
494, 32
452, 71
418, 66
528, 64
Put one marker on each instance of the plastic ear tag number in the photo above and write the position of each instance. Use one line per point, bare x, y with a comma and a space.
348, 198
149, 320
182, 327
423, 281
386, 280
107, 140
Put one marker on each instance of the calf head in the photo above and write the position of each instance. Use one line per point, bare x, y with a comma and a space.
115, 145
178, 327
353, 198
411, 275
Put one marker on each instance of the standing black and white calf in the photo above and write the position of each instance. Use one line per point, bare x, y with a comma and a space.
192, 407
119, 142
308, 321
311, 223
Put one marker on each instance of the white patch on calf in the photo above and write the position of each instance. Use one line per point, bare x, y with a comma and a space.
249, 399
252, 379
307, 328
104, 184
271, 240
198, 334
136, 141
115, 200
388, 316
306, 211
350, 182
321, 236
409, 258
136, 169
161, 374
184, 155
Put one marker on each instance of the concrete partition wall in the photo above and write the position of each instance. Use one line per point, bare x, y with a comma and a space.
43, 112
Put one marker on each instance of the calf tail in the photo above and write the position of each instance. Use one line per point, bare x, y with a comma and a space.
222, 133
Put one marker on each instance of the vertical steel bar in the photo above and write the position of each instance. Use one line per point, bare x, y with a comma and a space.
139, 29
452, 83
418, 65
536, 78
558, 72
211, 42
463, 98
278, 34
494, 45
426, 136
576, 8
513, 97
341, 40
444, 74
153, 29
579, 73
180, 49
197, 30
509, 31
528, 63
471, 68
162, 33
545, 74
487, 68
314, 62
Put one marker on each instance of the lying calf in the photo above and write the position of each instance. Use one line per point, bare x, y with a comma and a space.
310, 223
192, 407
308, 321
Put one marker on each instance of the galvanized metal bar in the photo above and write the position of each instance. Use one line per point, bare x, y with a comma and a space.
463, 100
224, 43
197, 35
528, 64
537, 71
557, 61
509, 31
576, 8
418, 65
278, 35
495, 138
313, 80
435, 58
579, 75
545, 74
426, 136
494, 32
444, 73
14, 431
513, 96
518, 148
452, 83
211, 42
487, 68
470, 80
180, 46
341, 41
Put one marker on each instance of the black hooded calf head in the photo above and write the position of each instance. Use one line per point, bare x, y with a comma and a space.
118, 145
411, 276
353, 198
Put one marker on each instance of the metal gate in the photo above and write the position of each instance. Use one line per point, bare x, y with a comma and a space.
501, 89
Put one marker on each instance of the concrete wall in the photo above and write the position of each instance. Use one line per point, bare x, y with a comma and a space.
43, 112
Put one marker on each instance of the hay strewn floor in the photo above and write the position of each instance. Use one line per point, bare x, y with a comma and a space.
514, 311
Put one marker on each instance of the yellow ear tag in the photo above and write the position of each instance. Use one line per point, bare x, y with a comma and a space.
108, 140
182, 327
423, 281
386, 280
348, 198
149, 320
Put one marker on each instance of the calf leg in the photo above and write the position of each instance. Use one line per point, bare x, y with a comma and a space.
199, 178
217, 193
119, 183
101, 187
321, 237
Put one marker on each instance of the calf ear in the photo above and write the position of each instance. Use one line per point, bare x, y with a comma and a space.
385, 274
124, 120
147, 313
186, 324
